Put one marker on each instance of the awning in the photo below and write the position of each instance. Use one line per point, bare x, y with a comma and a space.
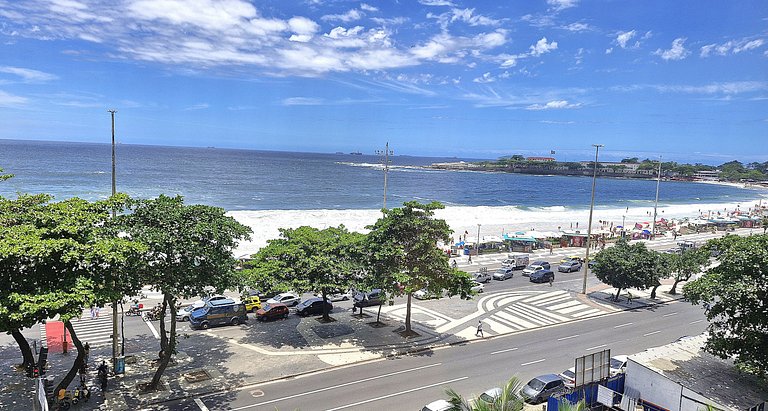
522, 239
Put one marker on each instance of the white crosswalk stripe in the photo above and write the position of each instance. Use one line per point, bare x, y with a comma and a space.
95, 331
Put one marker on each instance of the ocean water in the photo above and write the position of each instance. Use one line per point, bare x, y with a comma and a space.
270, 190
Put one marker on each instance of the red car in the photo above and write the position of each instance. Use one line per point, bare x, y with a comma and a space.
272, 311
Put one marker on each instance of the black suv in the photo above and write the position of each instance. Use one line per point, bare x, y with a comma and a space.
312, 306
368, 299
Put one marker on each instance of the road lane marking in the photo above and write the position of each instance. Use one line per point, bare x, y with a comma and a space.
502, 351
651, 333
152, 328
337, 386
670, 314
695, 322
532, 362
200, 404
622, 325
595, 347
568, 338
397, 393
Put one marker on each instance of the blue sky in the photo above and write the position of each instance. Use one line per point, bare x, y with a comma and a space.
687, 80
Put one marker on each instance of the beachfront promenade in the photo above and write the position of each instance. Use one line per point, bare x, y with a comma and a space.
229, 357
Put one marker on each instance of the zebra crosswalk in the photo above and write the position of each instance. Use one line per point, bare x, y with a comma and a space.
96, 332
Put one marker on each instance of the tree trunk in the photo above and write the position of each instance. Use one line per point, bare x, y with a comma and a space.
26, 351
408, 315
653, 291
165, 345
617, 295
63, 384
378, 315
673, 291
326, 317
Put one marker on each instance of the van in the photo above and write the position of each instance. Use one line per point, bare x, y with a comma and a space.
218, 312
515, 261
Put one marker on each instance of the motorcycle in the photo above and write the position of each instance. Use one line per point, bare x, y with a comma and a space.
134, 309
154, 314
67, 398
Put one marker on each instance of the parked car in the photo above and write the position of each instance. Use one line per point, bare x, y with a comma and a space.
542, 276
503, 273
185, 312
367, 299
336, 296
489, 396
439, 405
477, 287
569, 377
542, 263
289, 299
252, 303
312, 306
482, 275
569, 267
542, 387
201, 302
532, 269
571, 258
218, 312
272, 311
425, 294
262, 294
618, 364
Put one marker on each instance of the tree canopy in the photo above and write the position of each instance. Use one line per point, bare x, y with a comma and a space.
404, 256
734, 294
626, 266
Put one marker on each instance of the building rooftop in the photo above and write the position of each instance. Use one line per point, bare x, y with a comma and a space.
686, 363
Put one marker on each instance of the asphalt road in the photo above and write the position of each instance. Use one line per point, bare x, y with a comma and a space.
410, 382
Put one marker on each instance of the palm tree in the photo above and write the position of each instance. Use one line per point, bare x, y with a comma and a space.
509, 399
565, 405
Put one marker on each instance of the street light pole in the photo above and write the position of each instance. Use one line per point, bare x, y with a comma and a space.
656, 204
114, 191
478, 240
386, 153
589, 226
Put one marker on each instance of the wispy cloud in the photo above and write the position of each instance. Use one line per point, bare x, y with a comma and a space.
28, 75
554, 105
731, 46
731, 87
302, 101
489, 78
577, 27
677, 52
11, 101
347, 17
558, 5
436, 2
198, 106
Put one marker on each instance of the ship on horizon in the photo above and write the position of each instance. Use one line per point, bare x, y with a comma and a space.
356, 153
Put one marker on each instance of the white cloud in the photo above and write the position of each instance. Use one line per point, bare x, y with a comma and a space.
468, 16
677, 52
558, 5
489, 78
28, 75
729, 87
10, 101
347, 17
623, 37
554, 105
542, 47
731, 46
577, 27
302, 101
368, 7
451, 49
199, 106
436, 2
392, 21
303, 28
609, 50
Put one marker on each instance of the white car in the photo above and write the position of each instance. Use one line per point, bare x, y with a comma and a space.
618, 364
289, 299
439, 405
569, 377
489, 396
340, 296
477, 287
424, 294
527, 271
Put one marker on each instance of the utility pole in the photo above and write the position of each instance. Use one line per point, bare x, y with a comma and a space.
114, 303
589, 226
656, 204
385, 154
478, 240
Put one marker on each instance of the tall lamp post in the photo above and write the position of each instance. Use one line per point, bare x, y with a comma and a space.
385, 158
478, 240
656, 204
114, 191
589, 225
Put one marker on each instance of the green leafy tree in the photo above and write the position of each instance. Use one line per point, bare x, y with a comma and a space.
663, 269
734, 295
404, 256
189, 252
509, 399
626, 266
309, 259
687, 263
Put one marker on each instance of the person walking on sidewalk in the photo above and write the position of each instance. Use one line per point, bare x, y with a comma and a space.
470, 258
551, 280
102, 373
479, 332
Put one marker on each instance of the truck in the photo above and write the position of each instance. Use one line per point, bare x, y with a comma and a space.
515, 261
481, 275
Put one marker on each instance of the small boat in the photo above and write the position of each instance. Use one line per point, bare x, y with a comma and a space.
356, 153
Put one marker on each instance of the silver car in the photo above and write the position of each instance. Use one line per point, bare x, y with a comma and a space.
503, 273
